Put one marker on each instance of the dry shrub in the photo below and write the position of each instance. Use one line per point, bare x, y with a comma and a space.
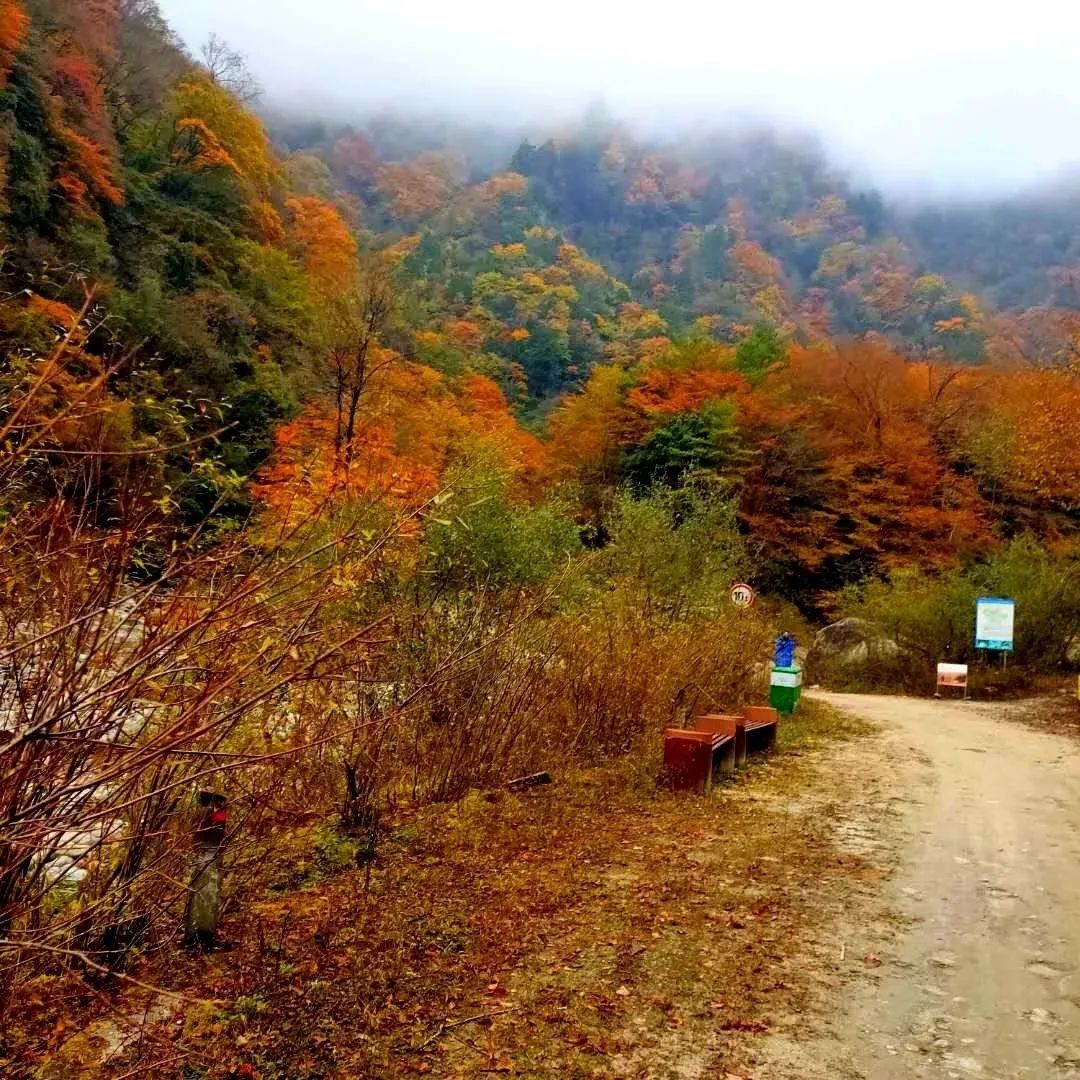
326, 669
504, 663
455, 703
622, 675
139, 664
481, 720
120, 699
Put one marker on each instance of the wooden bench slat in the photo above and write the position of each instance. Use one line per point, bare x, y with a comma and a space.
754, 719
763, 718
717, 738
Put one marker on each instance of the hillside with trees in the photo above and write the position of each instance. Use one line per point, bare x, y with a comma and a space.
732, 310
357, 469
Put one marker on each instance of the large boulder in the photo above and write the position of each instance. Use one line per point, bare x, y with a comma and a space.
849, 643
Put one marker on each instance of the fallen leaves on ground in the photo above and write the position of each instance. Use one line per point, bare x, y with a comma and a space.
586, 929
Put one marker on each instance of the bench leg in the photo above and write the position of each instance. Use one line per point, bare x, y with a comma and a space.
740, 747
701, 776
726, 763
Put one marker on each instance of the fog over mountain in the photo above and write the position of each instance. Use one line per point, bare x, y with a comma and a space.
956, 98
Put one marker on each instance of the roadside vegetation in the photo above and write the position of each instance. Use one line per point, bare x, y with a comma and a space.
913, 620
594, 925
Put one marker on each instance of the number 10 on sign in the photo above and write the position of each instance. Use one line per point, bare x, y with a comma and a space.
743, 595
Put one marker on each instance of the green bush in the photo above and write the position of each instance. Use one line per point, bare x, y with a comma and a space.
480, 537
335, 852
677, 551
760, 350
933, 618
690, 442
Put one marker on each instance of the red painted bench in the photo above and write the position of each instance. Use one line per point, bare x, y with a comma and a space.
762, 725
754, 730
734, 727
693, 760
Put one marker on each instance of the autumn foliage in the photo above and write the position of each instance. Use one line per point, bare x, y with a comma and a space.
13, 26
1039, 410
413, 424
849, 459
234, 131
361, 315
366, 479
323, 243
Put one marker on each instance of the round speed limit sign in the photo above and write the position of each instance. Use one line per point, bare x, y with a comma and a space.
743, 595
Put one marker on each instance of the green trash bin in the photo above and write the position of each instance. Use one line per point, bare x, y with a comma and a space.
785, 689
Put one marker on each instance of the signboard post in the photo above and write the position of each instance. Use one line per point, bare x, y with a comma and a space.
995, 621
952, 675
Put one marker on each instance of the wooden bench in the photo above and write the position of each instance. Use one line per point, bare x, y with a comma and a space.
762, 725
694, 760
734, 727
754, 730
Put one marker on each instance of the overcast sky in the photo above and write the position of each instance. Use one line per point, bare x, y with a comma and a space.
942, 96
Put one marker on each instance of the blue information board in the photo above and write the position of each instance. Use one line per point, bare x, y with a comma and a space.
995, 619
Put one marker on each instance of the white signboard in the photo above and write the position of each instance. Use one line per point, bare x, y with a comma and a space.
952, 675
786, 678
994, 621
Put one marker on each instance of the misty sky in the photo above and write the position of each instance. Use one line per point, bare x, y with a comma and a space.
937, 96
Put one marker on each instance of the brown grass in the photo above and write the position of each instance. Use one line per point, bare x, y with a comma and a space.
599, 927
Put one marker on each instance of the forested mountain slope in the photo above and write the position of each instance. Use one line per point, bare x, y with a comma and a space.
320, 309
718, 233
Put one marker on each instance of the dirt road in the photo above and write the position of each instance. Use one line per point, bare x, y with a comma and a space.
971, 965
